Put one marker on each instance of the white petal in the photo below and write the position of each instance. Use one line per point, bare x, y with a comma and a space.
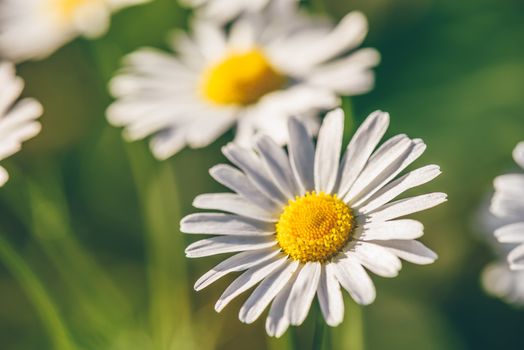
349, 33
512, 233
4, 176
396, 229
390, 172
506, 204
303, 292
330, 297
225, 224
327, 156
239, 262
277, 321
239, 183
355, 280
518, 154
167, 143
390, 152
516, 258
410, 250
362, 144
247, 280
277, 164
251, 165
302, 155
266, 292
377, 259
227, 244
232, 203
512, 184
408, 206
391, 191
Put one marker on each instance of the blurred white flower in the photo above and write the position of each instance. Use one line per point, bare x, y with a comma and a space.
502, 282
508, 204
257, 74
225, 10
306, 222
17, 118
34, 29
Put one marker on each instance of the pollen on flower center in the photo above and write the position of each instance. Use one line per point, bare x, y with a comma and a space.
241, 78
314, 227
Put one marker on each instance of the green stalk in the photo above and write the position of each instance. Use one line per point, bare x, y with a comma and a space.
169, 300
350, 334
35, 291
320, 331
103, 307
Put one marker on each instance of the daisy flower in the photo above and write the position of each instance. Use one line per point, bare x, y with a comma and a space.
508, 204
304, 223
33, 29
225, 10
255, 75
17, 119
502, 282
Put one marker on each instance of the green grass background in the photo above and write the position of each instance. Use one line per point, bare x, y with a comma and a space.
91, 253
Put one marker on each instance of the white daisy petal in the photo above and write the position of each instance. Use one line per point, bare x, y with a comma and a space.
239, 262
277, 321
252, 167
509, 205
330, 296
277, 165
512, 184
516, 258
512, 233
409, 156
238, 182
518, 154
303, 292
409, 250
302, 155
225, 224
232, 203
390, 152
18, 119
327, 156
247, 280
408, 206
393, 189
396, 229
227, 244
355, 280
377, 259
266, 292
359, 150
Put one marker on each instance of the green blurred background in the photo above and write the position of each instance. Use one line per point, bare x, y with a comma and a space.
91, 253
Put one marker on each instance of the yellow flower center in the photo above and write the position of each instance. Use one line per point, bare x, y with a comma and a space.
314, 227
241, 78
65, 9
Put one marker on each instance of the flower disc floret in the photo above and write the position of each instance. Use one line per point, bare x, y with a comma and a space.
314, 227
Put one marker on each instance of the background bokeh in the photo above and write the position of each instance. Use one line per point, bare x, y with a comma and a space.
94, 256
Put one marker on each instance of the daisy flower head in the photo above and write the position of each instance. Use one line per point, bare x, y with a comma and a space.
305, 222
34, 29
508, 204
17, 118
255, 75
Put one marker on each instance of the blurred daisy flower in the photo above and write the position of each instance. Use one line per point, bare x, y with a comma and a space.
33, 29
225, 10
508, 204
17, 119
255, 75
304, 223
